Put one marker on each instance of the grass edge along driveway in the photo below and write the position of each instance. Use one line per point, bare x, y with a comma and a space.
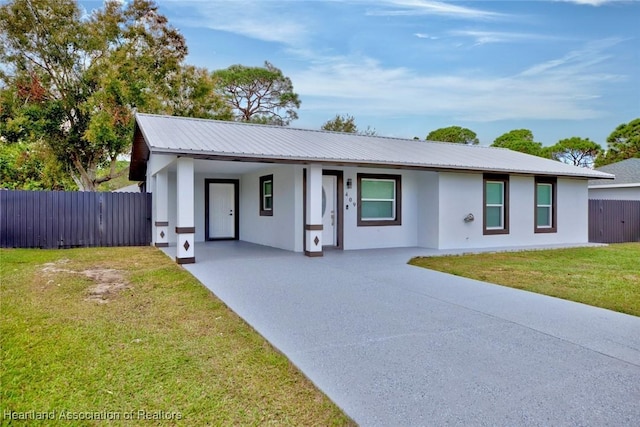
606, 276
126, 334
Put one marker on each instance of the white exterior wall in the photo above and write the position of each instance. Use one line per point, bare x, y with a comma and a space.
573, 211
434, 205
284, 229
428, 209
621, 193
461, 194
404, 235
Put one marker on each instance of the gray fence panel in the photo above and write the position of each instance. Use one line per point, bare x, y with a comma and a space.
614, 221
57, 219
128, 225
5, 215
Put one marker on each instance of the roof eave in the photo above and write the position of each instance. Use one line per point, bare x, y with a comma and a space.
631, 185
139, 155
245, 157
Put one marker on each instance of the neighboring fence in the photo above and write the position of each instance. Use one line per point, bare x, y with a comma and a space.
65, 219
614, 221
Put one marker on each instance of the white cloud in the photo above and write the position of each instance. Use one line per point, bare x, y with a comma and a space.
428, 7
266, 21
485, 37
589, 2
576, 62
557, 89
426, 36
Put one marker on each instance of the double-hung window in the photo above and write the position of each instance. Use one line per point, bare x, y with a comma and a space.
496, 204
545, 205
266, 195
379, 199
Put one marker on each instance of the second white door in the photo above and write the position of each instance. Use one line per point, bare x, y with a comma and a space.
329, 214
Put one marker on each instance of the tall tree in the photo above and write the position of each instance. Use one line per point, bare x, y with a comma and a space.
258, 94
454, 134
575, 151
192, 93
74, 82
520, 140
623, 143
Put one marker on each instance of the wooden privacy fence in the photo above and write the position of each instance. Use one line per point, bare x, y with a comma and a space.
614, 221
66, 219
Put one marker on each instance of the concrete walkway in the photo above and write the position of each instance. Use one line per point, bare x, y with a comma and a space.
396, 345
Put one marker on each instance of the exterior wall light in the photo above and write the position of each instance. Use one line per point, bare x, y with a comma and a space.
349, 183
469, 218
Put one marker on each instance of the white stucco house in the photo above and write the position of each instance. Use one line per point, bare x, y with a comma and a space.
626, 185
306, 190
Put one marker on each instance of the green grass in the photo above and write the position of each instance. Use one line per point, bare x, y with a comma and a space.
607, 277
163, 343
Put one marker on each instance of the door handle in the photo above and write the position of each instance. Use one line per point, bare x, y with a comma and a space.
332, 218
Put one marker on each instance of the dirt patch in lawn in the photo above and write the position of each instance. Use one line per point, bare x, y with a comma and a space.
108, 282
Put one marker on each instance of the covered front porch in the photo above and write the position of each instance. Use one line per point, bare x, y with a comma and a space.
279, 205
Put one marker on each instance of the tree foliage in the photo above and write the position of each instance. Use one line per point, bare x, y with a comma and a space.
73, 82
341, 123
455, 134
258, 94
575, 151
31, 167
623, 143
520, 140
346, 123
192, 93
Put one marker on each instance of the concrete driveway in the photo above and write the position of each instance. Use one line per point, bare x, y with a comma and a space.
396, 345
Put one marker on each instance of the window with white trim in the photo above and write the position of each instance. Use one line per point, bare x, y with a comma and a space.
379, 199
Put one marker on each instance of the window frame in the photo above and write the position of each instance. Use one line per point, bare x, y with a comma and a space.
264, 211
504, 179
545, 180
397, 200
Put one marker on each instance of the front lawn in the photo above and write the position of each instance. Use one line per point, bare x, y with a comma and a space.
126, 334
607, 277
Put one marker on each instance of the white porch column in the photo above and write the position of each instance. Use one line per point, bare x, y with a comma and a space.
313, 220
161, 196
185, 228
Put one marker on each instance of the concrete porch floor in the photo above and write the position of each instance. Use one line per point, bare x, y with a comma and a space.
393, 344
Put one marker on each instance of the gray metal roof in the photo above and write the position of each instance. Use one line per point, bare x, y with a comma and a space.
627, 172
251, 142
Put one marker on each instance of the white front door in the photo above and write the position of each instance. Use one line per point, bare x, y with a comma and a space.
329, 212
222, 215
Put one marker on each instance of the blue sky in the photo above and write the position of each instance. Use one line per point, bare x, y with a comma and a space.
406, 67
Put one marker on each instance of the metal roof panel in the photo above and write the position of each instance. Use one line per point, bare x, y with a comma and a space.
203, 137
